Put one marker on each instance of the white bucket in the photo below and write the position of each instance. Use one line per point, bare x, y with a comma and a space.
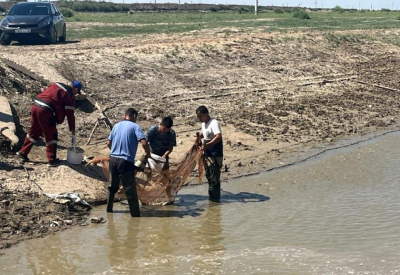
75, 155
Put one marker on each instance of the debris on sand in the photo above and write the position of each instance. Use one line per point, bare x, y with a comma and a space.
25, 215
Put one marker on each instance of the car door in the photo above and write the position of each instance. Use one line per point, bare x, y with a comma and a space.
57, 19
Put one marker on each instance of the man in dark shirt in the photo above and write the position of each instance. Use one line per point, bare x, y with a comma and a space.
161, 139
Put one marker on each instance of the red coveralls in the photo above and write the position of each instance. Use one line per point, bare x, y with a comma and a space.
49, 109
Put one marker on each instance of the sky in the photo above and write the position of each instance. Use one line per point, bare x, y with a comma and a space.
347, 4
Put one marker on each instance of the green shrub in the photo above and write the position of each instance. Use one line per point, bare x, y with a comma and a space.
398, 18
278, 11
288, 10
66, 12
245, 10
125, 8
214, 9
301, 14
338, 9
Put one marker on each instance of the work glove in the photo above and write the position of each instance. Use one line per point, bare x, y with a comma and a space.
73, 140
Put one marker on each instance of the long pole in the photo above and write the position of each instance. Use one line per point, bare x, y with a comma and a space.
256, 7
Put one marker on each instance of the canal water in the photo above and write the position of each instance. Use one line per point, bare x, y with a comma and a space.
337, 213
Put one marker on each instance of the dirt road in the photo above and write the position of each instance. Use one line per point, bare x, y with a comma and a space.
276, 95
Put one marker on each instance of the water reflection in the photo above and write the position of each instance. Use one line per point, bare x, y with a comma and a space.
54, 255
121, 240
212, 239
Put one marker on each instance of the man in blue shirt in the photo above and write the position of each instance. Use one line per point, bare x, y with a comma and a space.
123, 142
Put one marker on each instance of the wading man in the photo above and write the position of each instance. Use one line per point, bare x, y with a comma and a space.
49, 109
213, 151
123, 142
162, 140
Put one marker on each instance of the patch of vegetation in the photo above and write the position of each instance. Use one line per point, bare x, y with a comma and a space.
223, 22
301, 14
339, 39
338, 9
391, 39
88, 6
66, 12
214, 9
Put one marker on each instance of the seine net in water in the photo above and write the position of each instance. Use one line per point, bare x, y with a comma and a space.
160, 188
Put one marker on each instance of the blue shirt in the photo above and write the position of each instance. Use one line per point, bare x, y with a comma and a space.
125, 137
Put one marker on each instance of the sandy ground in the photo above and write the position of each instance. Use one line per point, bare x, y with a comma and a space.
279, 97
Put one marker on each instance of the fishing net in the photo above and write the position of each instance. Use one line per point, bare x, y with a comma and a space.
160, 188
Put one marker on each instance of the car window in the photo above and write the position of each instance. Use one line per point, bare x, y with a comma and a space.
56, 8
53, 10
30, 9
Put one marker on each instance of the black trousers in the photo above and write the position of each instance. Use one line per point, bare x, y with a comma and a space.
213, 165
123, 172
118, 167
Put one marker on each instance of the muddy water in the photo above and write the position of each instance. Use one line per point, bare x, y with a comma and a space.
338, 213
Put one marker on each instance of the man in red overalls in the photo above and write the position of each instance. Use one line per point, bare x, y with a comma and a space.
49, 109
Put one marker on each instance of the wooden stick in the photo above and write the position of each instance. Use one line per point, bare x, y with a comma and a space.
103, 116
31, 181
91, 134
379, 86
110, 107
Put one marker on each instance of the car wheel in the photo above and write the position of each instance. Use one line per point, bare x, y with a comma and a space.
5, 39
63, 38
52, 36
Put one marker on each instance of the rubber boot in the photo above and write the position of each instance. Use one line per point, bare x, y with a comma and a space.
214, 191
110, 200
128, 182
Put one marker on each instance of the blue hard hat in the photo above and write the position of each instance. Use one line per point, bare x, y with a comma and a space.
77, 84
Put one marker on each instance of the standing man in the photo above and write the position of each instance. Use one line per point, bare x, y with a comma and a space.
49, 109
213, 151
123, 142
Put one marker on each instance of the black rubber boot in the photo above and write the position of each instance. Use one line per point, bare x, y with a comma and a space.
128, 182
214, 191
110, 200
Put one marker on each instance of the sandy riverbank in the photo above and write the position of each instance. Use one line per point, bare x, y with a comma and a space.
276, 101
